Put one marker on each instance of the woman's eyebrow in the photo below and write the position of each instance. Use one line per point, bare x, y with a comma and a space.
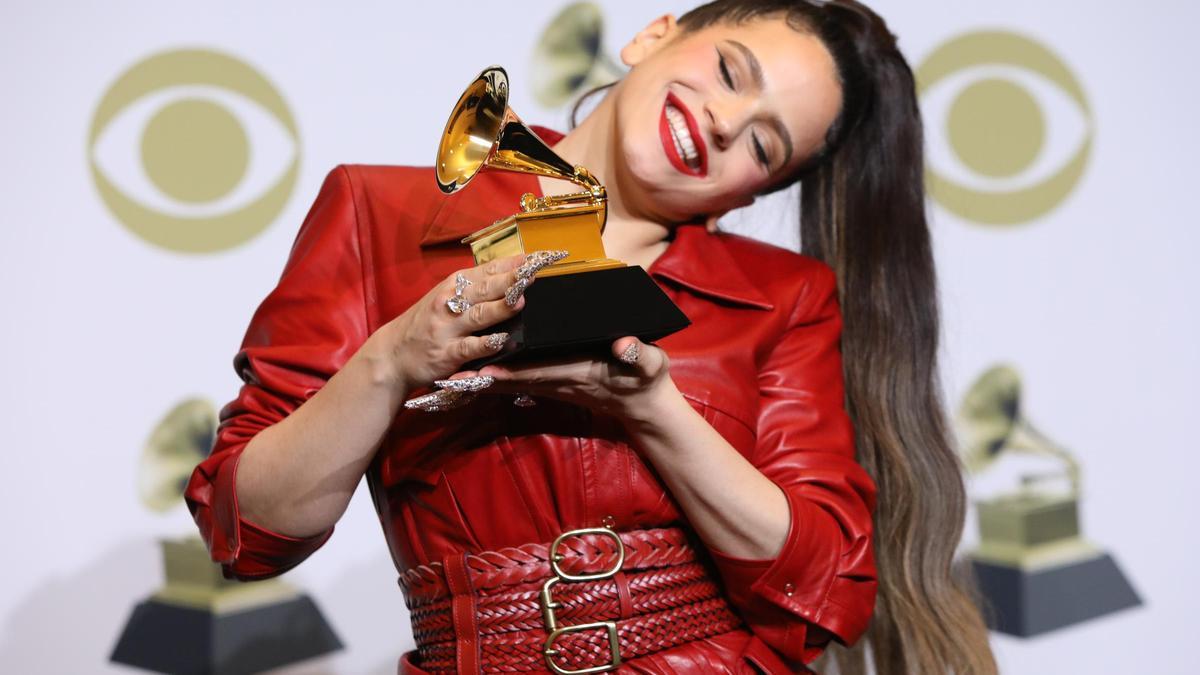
755, 67
756, 74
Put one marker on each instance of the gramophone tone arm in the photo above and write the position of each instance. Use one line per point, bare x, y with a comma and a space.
1027, 439
531, 203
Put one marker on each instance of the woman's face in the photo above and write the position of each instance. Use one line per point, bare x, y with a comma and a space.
707, 119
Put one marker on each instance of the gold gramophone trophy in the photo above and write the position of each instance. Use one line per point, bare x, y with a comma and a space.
200, 622
583, 301
1034, 567
569, 57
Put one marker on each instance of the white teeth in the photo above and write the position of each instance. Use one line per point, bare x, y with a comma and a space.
684, 145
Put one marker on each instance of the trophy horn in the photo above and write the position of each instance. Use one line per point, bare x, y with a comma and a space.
483, 131
177, 443
569, 57
991, 422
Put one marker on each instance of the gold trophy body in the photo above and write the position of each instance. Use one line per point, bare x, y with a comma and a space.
1035, 569
583, 301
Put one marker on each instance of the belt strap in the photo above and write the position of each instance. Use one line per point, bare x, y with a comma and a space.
466, 624
639, 636
579, 605
644, 549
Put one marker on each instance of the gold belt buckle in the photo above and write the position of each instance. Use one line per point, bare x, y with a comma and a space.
549, 605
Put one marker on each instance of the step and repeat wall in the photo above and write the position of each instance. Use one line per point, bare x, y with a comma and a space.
160, 158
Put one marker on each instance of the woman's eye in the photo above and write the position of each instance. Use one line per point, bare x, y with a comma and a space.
725, 75
760, 152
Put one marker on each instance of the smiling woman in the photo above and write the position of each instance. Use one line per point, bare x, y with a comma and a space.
729, 499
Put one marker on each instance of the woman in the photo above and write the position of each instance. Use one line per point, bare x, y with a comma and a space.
720, 463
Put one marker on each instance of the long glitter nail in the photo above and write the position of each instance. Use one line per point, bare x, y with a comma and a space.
460, 400
631, 354
538, 260
514, 292
467, 384
438, 400
496, 341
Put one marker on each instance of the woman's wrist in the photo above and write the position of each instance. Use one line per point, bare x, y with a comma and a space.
647, 411
383, 362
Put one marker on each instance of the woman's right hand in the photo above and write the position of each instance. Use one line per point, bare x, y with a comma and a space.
429, 341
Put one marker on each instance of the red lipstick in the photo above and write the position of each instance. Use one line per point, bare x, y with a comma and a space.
668, 140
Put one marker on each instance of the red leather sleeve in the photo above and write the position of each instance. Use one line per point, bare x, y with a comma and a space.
825, 573
301, 334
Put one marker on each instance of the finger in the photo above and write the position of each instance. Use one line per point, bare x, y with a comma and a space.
483, 315
474, 347
491, 280
469, 383
554, 372
502, 265
509, 277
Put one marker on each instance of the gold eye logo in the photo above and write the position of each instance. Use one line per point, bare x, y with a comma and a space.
187, 152
998, 106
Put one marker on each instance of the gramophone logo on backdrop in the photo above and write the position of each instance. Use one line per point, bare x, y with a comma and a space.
1009, 127
199, 621
569, 57
194, 151
1036, 570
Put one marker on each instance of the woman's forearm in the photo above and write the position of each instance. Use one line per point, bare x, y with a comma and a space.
732, 505
296, 477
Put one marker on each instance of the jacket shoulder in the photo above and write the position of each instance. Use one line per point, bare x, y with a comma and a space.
785, 276
412, 189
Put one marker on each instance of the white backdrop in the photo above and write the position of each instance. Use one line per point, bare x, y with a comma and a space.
103, 332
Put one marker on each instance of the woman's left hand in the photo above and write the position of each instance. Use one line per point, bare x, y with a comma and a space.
625, 385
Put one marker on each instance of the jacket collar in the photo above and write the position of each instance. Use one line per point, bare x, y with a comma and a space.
695, 259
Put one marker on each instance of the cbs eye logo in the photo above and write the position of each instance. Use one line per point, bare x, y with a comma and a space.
1011, 128
171, 153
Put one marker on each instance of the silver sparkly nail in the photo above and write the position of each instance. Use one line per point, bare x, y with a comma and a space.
514, 292
495, 340
631, 354
536, 261
439, 401
524, 401
471, 384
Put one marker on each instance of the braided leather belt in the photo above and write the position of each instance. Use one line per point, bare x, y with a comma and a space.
582, 604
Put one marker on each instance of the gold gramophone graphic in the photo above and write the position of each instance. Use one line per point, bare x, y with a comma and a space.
569, 57
1034, 566
582, 301
200, 622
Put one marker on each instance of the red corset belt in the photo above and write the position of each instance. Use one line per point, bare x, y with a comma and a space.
581, 604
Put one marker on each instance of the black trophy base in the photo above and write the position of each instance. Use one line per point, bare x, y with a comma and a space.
1025, 603
586, 311
168, 638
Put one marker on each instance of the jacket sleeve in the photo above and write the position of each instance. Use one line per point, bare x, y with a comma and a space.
301, 334
825, 572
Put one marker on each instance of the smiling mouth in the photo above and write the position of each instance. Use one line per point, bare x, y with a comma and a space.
681, 138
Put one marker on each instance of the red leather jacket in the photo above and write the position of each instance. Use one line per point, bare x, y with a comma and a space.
760, 361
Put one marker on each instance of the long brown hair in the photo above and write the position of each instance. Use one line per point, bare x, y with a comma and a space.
863, 213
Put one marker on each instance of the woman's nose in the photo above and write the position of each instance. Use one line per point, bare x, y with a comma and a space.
723, 123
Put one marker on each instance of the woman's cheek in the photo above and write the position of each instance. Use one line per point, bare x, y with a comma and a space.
743, 183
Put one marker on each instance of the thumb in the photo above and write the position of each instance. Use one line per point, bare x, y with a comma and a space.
631, 351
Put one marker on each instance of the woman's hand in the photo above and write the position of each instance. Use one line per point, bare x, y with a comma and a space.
430, 341
628, 385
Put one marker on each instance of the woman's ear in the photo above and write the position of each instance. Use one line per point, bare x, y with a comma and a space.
648, 40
